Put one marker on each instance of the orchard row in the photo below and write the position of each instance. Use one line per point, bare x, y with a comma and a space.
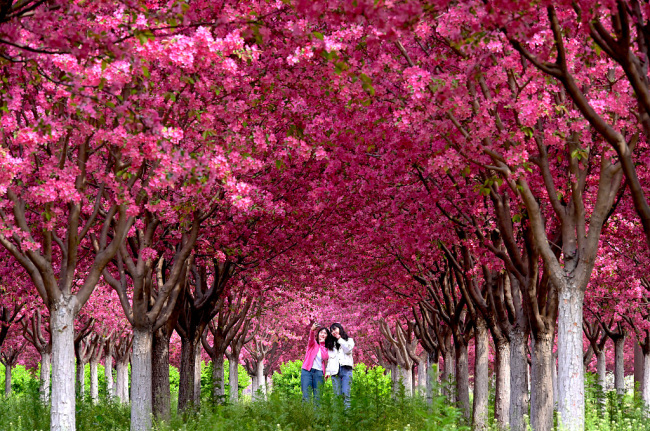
179, 179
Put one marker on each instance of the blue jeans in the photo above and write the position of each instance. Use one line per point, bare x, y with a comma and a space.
341, 384
311, 379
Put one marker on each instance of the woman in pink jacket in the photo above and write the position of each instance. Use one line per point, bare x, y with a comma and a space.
313, 367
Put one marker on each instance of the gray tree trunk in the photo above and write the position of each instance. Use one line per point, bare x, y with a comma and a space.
570, 367
141, 397
122, 381
601, 369
44, 387
619, 364
94, 382
186, 387
218, 381
108, 376
405, 378
261, 387
481, 377
554, 371
62, 413
462, 380
7, 380
422, 378
646, 380
432, 379
518, 380
448, 375
502, 389
541, 399
233, 380
81, 379
638, 369
254, 386
161, 395
197, 374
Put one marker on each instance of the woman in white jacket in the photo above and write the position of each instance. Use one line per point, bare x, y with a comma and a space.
339, 348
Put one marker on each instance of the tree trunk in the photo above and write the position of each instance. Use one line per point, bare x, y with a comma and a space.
462, 379
570, 367
218, 381
261, 387
481, 377
94, 382
233, 380
414, 379
108, 376
619, 364
122, 383
187, 374
81, 380
502, 390
197, 374
44, 387
646, 380
432, 380
518, 380
141, 397
554, 375
638, 370
254, 387
405, 378
7, 380
601, 370
161, 395
422, 378
448, 375
62, 413
541, 399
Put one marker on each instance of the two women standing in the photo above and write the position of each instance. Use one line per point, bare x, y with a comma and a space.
333, 347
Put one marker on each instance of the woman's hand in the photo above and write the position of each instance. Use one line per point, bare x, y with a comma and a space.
314, 326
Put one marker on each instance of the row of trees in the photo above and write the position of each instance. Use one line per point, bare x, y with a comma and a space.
477, 170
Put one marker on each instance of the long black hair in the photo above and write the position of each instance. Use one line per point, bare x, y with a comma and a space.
330, 342
326, 338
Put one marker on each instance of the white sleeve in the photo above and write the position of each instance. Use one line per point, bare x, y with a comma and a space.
346, 346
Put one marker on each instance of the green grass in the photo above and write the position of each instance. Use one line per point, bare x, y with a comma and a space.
373, 407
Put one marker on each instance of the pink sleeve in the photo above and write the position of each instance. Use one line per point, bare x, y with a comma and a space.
312, 339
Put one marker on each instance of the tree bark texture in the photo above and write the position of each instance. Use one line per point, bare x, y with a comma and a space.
601, 369
44, 387
81, 379
7, 381
108, 376
462, 379
186, 387
570, 367
94, 382
518, 380
638, 369
405, 379
541, 399
260, 391
646, 379
161, 394
619, 365
448, 374
218, 380
502, 386
62, 416
481, 377
233, 380
122, 382
141, 396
